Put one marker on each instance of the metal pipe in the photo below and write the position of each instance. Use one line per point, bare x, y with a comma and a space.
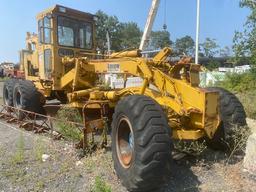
133, 53
197, 30
144, 86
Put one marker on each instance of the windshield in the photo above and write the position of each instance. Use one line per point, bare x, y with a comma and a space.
73, 33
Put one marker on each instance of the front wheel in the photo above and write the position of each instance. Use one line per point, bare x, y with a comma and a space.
141, 143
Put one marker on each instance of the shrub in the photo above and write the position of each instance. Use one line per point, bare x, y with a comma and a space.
248, 99
244, 86
69, 130
239, 137
240, 82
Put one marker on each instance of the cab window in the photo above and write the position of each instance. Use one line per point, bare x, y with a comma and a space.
73, 33
85, 36
45, 30
48, 63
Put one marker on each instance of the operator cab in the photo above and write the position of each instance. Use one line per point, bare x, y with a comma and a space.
73, 29
62, 32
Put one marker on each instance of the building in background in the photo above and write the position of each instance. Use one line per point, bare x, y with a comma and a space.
7, 69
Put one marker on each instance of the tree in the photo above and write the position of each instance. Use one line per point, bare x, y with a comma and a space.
130, 35
244, 42
225, 52
209, 47
122, 35
160, 39
110, 24
125, 35
185, 45
212, 64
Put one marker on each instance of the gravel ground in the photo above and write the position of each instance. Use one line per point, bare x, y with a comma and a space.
22, 168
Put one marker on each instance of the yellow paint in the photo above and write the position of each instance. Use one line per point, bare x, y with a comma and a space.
195, 110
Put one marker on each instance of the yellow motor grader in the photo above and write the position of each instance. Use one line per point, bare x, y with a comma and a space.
60, 62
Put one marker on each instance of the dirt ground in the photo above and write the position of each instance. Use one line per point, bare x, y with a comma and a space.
22, 168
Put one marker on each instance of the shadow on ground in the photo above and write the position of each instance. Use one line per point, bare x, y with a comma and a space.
183, 177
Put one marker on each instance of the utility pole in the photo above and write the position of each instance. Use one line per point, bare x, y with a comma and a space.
197, 30
149, 24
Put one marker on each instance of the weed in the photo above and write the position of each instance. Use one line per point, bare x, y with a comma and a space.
90, 165
39, 150
248, 99
100, 185
69, 114
65, 167
190, 147
2, 151
69, 130
18, 156
39, 186
15, 174
239, 138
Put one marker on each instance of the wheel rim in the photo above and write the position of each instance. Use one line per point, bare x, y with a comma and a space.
125, 142
18, 99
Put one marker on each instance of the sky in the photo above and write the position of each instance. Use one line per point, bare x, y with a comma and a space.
219, 18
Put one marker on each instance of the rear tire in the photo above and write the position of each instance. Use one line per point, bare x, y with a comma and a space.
8, 92
233, 120
141, 143
26, 97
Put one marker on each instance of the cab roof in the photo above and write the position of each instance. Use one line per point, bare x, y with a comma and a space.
62, 10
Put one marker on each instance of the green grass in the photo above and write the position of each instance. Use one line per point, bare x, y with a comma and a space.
4, 79
39, 149
19, 155
69, 130
100, 185
39, 186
